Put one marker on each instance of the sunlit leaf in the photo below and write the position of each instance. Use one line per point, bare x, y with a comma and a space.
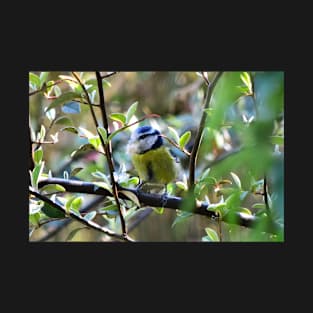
70, 129
74, 232
103, 133
42, 133
38, 154
95, 141
36, 174
34, 80
236, 179
43, 77
183, 140
72, 107
65, 97
131, 111
102, 185
181, 185
211, 234
131, 196
259, 206
106, 83
85, 132
52, 188
246, 211
181, 216
90, 216
34, 219
158, 210
174, 134
63, 120
76, 171
245, 77
119, 117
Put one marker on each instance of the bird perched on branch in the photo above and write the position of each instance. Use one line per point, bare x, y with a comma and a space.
151, 158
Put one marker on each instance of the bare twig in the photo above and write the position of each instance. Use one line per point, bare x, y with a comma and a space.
108, 152
108, 75
175, 145
193, 156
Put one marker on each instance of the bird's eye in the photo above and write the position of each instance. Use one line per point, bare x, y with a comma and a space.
143, 136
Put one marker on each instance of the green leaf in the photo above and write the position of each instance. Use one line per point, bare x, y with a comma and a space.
131, 196
65, 97
74, 232
95, 141
34, 219
133, 181
76, 204
181, 216
76, 171
236, 179
211, 234
114, 134
85, 132
259, 206
174, 134
183, 140
181, 185
119, 117
101, 175
105, 83
158, 210
90, 216
63, 120
42, 133
233, 201
111, 207
277, 140
83, 149
52, 212
36, 174
72, 107
70, 129
38, 154
245, 77
57, 91
131, 111
35, 207
246, 211
102, 185
205, 174
43, 77
103, 133
34, 81
52, 188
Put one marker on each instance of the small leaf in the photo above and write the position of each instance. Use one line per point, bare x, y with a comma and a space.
103, 133
131, 111
212, 235
35, 206
205, 174
43, 77
245, 77
36, 174
34, 80
42, 133
70, 129
38, 154
85, 132
246, 211
52, 211
95, 141
174, 134
103, 185
65, 97
101, 175
63, 120
51, 114
76, 204
131, 196
105, 83
111, 207
133, 181
90, 216
72, 107
181, 185
57, 91
34, 219
236, 179
52, 188
277, 140
83, 148
119, 117
183, 140
181, 216
259, 206
74, 232
158, 210
114, 134
76, 171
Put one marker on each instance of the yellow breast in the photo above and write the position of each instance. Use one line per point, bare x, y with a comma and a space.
156, 166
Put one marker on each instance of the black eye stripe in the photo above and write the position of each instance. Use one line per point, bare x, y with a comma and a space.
146, 135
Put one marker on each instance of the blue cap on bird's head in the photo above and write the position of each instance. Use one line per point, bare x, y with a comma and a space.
143, 139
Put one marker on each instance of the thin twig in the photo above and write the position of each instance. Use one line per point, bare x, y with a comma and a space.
44, 87
194, 152
80, 219
108, 152
108, 75
175, 145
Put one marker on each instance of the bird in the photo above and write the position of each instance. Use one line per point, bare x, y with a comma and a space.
150, 157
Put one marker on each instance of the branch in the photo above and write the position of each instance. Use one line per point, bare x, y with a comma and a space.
157, 200
80, 219
194, 152
108, 75
108, 152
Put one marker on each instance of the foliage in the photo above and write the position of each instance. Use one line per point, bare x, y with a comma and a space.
239, 160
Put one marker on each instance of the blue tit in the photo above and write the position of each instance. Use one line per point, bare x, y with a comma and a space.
151, 159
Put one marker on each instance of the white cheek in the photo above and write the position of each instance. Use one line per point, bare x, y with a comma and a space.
148, 142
